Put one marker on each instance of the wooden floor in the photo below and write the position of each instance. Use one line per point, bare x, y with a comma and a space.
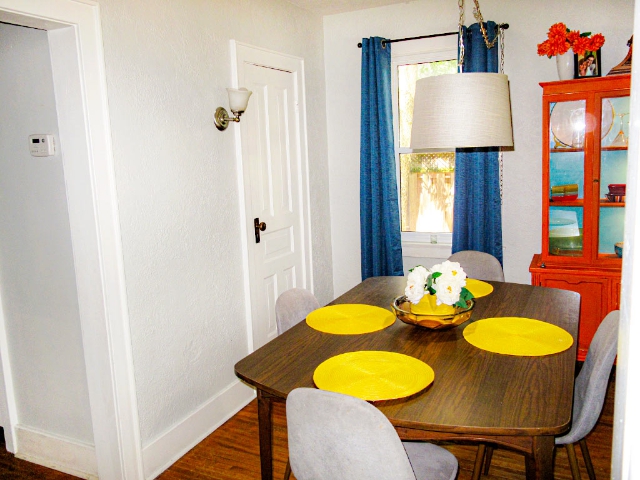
231, 453
12, 468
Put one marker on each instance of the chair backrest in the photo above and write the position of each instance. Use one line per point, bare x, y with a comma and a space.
592, 381
334, 436
293, 306
479, 265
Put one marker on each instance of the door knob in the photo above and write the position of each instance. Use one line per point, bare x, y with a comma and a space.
259, 227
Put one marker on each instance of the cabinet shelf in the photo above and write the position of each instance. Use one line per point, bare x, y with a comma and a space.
579, 202
610, 256
606, 203
572, 149
565, 149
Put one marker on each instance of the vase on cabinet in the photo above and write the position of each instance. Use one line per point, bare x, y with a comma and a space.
564, 64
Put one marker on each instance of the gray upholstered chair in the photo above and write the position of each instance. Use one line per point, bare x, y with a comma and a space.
479, 265
335, 436
588, 396
293, 306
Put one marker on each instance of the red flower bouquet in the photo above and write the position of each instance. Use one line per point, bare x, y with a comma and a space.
560, 39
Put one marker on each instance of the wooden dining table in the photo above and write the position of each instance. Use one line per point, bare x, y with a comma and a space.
516, 402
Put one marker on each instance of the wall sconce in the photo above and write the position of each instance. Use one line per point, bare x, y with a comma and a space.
238, 101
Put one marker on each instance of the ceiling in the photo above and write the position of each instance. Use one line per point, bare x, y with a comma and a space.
328, 7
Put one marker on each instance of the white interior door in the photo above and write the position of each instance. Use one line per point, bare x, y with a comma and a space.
275, 187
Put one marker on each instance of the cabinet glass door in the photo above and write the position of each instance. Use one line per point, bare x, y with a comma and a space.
613, 173
566, 177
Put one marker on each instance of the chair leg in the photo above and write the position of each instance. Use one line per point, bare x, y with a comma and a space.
573, 461
587, 459
479, 459
287, 470
487, 461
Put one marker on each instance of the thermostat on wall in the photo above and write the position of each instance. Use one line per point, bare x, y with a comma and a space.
42, 145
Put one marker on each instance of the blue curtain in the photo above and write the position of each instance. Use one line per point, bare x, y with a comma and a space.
477, 210
380, 242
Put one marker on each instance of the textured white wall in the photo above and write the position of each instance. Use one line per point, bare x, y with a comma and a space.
167, 67
528, 25
37, 279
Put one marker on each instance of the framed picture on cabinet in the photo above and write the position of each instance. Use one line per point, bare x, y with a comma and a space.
587, 65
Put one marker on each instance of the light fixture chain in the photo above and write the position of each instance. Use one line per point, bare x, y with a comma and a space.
500, 162
501, 50
460, 37
480, 20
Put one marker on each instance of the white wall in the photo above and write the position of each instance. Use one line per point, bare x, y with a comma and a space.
528, 25
625, 459
167, 67
37, 279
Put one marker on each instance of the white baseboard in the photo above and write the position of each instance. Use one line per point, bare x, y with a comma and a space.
165, 450
60, 453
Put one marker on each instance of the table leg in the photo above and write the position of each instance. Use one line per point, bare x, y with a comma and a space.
265, 402
477, 467
540, 461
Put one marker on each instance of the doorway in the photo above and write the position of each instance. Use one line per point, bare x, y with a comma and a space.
42, 344
73, 31
273, 172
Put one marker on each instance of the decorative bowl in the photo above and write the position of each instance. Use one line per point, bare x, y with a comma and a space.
618, 248
402, 308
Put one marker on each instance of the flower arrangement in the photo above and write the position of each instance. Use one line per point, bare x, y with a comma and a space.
446, 281
560, 39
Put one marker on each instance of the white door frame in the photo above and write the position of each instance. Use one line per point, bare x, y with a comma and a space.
243, 53
75, 39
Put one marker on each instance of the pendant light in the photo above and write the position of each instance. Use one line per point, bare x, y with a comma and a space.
462, 110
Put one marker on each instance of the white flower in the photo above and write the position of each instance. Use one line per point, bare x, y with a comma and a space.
416, 282
452, 269
414, 292
447, 292
418, 274
447, 284
455, 281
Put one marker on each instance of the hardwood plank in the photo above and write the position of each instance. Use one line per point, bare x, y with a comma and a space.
232, 453
243, 429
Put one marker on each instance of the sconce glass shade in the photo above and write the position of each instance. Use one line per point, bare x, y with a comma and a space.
462, 110
238, 99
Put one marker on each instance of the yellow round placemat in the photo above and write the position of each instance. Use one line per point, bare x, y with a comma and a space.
350, 319
478, 287
517, 336
373, 375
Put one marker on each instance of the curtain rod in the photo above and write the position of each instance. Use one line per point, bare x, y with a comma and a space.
503, 26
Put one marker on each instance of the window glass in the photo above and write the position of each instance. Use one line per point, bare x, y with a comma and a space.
426, 192
408, 75
426, 179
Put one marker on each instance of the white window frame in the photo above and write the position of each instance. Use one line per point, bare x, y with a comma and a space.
419, 244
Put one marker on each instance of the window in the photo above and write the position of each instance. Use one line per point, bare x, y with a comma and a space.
426, 180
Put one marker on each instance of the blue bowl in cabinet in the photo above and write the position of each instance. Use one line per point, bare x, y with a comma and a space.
618, 248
